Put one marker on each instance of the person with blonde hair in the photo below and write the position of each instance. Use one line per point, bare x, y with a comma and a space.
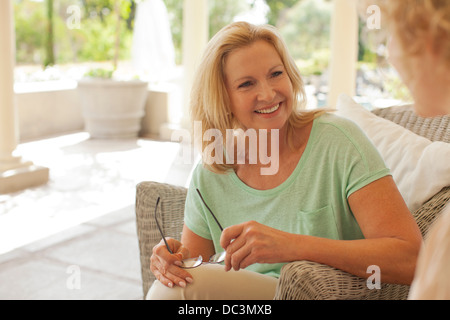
419, 48
332, 199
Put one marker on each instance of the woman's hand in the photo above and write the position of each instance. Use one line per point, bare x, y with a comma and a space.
251, 242
166, 266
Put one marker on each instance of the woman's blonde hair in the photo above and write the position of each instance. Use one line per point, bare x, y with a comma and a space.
415, 22
210, 103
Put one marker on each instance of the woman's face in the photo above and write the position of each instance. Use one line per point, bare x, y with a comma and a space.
258, 86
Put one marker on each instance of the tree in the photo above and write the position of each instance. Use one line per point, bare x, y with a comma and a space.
278, 8
49, 46
306, 27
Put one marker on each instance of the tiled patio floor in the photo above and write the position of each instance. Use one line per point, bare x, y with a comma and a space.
75, 238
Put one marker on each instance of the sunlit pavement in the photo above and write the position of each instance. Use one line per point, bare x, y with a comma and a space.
75, 237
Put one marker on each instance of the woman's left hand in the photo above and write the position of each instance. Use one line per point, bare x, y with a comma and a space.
251, 242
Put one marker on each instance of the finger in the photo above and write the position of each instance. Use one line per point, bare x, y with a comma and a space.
237, 257
182, 253
162, 259
163, 279
234, 240
246, 261
179, 276
165, 257
231, 249
229, 234
172, 275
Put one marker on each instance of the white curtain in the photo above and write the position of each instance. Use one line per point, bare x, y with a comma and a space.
153, 53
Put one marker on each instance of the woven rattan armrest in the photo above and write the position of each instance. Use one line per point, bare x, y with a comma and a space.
172, 213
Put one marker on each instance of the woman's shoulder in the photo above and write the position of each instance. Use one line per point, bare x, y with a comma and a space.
331, 118
334, 124
201, 174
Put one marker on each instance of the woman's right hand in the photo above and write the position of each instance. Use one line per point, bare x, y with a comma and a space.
166, 266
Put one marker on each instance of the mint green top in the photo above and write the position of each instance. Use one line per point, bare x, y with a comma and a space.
338, 160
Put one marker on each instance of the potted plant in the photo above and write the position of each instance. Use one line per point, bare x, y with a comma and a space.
112, 108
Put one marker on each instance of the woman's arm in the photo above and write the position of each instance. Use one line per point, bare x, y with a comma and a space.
392, 239
198, 246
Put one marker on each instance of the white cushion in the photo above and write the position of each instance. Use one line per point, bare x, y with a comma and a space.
420, 168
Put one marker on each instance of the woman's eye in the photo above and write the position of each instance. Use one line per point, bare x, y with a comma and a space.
245, 84
277, 73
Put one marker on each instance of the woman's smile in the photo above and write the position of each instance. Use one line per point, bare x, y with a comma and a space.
269, 110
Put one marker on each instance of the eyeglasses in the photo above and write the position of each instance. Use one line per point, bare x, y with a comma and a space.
192, 262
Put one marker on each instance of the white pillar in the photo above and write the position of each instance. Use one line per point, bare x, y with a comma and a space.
195, 38
15, 174
8, 132
344, 50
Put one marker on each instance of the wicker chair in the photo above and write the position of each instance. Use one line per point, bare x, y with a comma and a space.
304, 280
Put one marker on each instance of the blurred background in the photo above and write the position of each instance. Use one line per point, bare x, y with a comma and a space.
61, 39
66, 196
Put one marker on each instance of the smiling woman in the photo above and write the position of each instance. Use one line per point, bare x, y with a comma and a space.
222, 80
332, 201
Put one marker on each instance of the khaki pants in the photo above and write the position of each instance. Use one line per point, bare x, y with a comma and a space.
211, 282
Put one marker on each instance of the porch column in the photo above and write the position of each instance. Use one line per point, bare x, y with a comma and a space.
15, 173
344, 50
195, 38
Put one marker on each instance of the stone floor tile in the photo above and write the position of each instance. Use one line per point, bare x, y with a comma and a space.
105, 251
43, 279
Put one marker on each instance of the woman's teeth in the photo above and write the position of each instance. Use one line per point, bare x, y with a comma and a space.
270, 110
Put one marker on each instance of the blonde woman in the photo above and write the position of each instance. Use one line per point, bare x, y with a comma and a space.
419, 49
332, 200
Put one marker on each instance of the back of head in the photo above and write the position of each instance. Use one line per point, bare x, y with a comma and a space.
418, 24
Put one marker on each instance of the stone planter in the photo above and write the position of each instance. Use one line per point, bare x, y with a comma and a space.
112, 109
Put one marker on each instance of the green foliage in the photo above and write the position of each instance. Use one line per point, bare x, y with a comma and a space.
93, 40
316, 64
222, 13
98, 37
175, 12
49, 45
30, 29
101, 73
277, 9
306, 28
304, 25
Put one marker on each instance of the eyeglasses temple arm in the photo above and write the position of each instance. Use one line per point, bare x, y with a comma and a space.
159, 228
198, 191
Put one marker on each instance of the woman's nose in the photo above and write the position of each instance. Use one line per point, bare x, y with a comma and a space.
266, 92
